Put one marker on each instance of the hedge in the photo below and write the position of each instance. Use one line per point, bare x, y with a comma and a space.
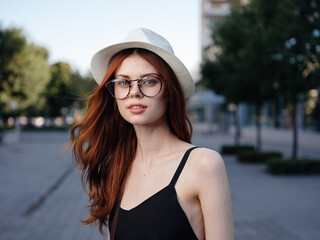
257, 157
234, 149
31, 128
6, 128
290, 166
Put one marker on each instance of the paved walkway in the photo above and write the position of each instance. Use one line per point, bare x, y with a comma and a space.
268, 207
42, 198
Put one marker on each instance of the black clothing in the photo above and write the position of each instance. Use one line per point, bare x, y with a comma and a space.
160, 217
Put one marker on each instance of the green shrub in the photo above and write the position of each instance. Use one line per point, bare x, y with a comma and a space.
257, 157
6, 128
289, 166
250, 157
234, 149
31, 128
271, 154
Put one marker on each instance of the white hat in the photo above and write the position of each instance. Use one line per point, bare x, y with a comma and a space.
146, 39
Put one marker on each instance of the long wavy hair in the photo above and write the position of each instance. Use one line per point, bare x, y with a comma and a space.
104, 144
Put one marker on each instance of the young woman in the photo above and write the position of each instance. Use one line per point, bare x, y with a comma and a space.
144, 177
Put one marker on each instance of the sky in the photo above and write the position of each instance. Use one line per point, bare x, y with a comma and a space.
73, 30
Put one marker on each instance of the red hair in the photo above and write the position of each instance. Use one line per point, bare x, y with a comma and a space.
104, 144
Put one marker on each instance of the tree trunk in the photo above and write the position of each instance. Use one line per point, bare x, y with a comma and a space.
258, 126
237, 125
295, 129
277, 113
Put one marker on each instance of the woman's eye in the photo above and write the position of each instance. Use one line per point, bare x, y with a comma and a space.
150, 82
122, 83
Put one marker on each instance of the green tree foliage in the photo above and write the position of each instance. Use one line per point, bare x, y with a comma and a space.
66, 91
35, 88
269, 48
11, 43
57, 92
211, 76
33, 74
244, 61
298, 34
81, 87
24, 74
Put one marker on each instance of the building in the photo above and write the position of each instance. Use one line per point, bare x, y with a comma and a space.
212, 12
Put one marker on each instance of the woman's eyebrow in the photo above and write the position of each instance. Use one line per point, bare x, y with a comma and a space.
122, 75
148, 74
143, 75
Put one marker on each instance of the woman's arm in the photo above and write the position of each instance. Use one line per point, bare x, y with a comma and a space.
214, 194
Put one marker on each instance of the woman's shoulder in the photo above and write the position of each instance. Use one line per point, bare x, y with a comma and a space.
207, 168
206, 161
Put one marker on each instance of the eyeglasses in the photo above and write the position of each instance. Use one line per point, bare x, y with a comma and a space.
149, 86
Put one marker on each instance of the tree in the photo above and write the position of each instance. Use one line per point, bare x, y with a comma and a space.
24, 72
82, 86
297, 36
57, 92
11, 42
213, 77
243, 61
30, 83
269, 49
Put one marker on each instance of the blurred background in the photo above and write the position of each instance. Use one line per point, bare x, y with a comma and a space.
256, 68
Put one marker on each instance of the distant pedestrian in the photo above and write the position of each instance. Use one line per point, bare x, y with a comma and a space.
145, 179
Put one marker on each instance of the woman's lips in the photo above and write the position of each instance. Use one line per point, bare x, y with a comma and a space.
137, 108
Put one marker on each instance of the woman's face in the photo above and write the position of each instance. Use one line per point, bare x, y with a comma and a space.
136, 108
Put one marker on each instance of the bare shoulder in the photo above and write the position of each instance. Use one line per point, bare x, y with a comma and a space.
206, 161
207, 168
211, 187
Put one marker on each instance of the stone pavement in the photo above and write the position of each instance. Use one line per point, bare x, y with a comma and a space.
268, 207
42, 198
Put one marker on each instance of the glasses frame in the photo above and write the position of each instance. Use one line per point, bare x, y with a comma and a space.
162, 81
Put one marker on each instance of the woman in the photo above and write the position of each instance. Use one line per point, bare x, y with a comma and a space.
145, 178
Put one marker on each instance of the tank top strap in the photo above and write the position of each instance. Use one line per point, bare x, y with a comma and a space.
181, 165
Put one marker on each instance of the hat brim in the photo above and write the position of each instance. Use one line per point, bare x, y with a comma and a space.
100, 61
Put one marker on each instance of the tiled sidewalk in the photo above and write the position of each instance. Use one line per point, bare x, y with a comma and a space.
33, 172
268, 207
35, 179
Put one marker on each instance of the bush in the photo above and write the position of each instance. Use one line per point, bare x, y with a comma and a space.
32, 128
6, 128
289, 166
234, 149
257, 157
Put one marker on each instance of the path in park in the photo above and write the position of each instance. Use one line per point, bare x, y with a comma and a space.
42, 198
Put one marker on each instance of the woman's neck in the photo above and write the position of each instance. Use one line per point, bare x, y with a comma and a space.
153, 141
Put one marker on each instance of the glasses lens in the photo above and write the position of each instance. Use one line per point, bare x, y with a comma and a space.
150, 86
119, 88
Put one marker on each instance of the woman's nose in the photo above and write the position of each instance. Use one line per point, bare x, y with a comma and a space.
135, 91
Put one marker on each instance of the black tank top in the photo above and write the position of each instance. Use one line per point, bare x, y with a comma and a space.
160, 217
